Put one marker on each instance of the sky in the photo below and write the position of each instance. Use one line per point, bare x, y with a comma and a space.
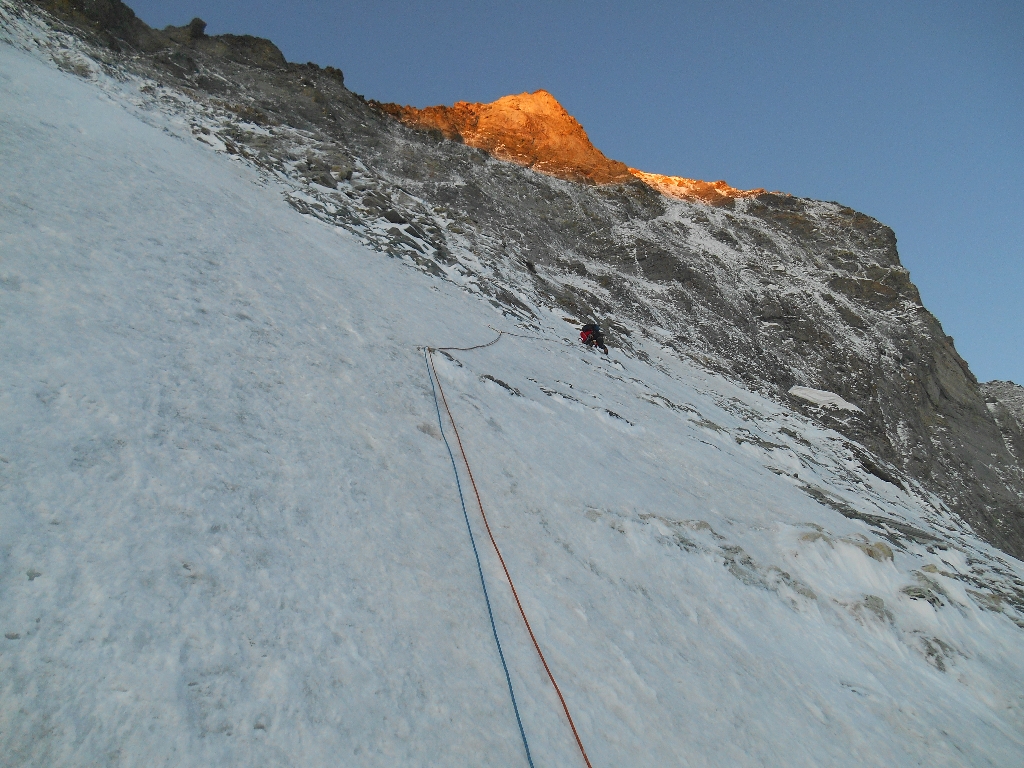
911, 112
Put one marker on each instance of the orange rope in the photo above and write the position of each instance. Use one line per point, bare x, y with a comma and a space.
508, 576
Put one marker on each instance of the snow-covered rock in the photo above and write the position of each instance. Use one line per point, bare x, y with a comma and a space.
822, 398
230, 533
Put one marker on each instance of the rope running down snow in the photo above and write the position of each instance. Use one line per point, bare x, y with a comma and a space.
497, 339
487, 525
467, 349
508, 679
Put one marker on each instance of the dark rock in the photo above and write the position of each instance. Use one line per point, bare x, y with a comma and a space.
1005, 401
243, 49
190, 33
866, 291
326, 180
916, 592
176, 63
114, 21
335, 74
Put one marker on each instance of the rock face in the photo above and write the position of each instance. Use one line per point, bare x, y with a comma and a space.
530, 129
1005, 401
117, 26
711, 192
771, 290
244, 49
534, 130
113, 21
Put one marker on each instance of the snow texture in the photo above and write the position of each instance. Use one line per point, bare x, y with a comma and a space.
230, 535
822, 398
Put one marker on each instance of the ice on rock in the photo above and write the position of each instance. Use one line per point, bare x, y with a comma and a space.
823, 398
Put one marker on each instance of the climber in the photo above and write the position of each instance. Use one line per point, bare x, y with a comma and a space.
591, 336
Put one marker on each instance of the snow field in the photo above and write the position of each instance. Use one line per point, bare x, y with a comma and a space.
229, 533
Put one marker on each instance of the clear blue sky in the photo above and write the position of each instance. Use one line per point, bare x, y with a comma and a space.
912, 112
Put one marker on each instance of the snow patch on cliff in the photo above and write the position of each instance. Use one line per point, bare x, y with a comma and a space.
822, 398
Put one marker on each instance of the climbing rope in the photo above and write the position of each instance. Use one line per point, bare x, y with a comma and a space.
531, 338
497, 339
494, 543
467, 349
432, 375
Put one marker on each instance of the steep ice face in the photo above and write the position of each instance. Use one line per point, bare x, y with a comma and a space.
231, 534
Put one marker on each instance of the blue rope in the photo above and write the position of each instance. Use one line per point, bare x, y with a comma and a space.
480, 570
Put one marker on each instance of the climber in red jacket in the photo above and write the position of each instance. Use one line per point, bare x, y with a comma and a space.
591, 336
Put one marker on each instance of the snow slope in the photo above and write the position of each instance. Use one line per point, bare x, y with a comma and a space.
230, 534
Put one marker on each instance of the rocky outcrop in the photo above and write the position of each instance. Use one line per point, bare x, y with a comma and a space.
534, 130
711, 192
1007, 394
771, 290
244, 49
116, 25
530, 129
111, 20
1005, 401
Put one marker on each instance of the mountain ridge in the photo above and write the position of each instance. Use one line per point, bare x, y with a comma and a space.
535, 130
530, 129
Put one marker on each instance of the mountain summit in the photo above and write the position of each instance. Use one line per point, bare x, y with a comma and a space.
535, 130
530, 129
